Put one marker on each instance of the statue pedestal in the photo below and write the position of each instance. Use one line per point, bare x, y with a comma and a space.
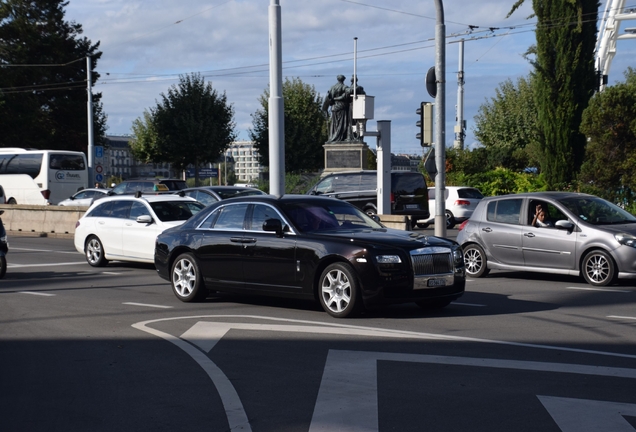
344, 156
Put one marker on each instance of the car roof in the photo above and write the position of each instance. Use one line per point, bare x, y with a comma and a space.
215, 188
291, 198
539, 195
147, 198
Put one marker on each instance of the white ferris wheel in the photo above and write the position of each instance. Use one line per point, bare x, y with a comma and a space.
615, 13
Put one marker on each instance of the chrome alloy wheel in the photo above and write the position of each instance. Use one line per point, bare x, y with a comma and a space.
336, 291
184, 277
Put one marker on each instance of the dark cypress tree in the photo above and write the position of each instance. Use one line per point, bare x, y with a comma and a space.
43, 78
565, 82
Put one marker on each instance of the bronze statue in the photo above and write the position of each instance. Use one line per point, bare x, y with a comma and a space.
339, 98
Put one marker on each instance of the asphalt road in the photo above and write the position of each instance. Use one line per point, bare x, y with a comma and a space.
86, 349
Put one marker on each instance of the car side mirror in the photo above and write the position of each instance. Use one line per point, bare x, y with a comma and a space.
564, 224
146, 219
273, 225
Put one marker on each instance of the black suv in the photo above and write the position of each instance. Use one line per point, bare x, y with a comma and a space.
147, 185
409, 194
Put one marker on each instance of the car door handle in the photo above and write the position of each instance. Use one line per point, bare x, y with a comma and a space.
249, 240
236, 239
529, 234
487, 229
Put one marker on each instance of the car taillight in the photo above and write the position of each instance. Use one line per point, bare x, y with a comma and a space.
462, 202
462, 225
46, 193
392, 198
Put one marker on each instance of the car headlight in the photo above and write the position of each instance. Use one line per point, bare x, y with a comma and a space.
458, 257
388, 259
626, 239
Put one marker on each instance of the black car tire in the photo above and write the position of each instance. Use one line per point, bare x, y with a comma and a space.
338, 291
450, 220
94, 251
370, 211
433, 304
598, 268
186, 279
475, 261
422, 225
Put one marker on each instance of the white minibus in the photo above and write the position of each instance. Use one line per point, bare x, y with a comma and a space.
41, 177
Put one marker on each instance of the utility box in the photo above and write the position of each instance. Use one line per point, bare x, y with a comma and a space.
363, 107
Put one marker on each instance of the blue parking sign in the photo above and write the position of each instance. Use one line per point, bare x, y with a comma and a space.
99, 151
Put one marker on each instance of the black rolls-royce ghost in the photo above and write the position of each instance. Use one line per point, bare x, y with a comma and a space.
308, 247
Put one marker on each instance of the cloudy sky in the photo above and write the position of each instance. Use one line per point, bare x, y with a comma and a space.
147, 44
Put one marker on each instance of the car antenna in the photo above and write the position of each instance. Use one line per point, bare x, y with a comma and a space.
138, 194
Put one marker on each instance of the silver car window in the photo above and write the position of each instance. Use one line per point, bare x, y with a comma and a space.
505, 211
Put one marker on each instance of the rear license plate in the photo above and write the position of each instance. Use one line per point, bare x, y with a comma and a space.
412, 206
436, 282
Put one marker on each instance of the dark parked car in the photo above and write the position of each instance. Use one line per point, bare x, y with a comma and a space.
307, 247
580, 234
211, 194
409, 194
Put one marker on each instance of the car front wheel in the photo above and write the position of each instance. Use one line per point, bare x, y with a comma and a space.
598, 268
186, 279
95, 252
475, 261
339, 293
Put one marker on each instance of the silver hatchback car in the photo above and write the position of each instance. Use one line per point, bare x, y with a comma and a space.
578, 234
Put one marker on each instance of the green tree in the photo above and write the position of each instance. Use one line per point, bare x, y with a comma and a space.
192, 125
143, 145
507, 126
564, 81
609, 122
305, 127
43, 77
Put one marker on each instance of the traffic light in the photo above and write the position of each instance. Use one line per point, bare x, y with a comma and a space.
425, 124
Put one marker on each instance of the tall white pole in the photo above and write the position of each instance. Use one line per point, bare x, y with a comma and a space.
91, 143
355, 67
440, 120
276, 106
459, 127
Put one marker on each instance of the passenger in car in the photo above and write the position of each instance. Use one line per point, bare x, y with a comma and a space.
540, 219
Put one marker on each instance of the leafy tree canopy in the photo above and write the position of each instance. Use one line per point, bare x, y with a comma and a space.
305, 127
564, 81
43, 77
609, 122
507, 126
192, 125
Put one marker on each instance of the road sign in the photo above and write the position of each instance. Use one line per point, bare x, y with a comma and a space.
203, 172
99, 178
99, 169
99, 151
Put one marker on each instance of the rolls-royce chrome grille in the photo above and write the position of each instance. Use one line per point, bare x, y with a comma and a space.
438, 262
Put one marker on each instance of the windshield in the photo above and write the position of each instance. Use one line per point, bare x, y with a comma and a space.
597, 211
328, 216
168, 211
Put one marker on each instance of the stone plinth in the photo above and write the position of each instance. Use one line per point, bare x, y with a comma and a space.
343, 156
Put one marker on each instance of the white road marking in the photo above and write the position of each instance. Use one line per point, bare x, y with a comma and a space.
206, 334
36, 293
580, 415
621, 317
45, 265
147, 305
348, 399
468, 304
44, 250
597, 289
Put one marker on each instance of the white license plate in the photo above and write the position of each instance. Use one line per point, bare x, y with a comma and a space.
412, 206
436, 282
